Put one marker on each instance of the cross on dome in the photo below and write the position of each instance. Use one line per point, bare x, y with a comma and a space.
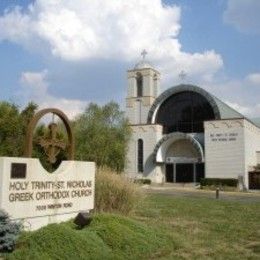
143, 63
144, 53
182, 75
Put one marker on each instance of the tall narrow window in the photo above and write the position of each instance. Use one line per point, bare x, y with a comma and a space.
140, 153
139, 84
155, 85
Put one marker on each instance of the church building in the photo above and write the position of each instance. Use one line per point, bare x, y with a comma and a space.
185, 134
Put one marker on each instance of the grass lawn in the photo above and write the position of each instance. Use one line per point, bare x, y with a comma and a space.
161, 227
205, 228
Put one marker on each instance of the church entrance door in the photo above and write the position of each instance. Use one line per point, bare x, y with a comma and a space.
184, 172
169, 173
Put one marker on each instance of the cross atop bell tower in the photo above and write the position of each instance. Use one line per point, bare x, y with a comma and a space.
144, 53
143, 88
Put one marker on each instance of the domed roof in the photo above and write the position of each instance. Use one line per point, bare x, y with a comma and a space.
221, 110
143, 64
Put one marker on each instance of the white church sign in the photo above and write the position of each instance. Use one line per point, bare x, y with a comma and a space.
31, 194
224, 137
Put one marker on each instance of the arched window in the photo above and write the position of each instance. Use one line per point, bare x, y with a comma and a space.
184, 112
139, 84
140, 155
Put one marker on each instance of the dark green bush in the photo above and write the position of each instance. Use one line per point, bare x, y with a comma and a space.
142, 181
8, 232
219, 182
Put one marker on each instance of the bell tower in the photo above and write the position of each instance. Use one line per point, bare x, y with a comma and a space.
143, 87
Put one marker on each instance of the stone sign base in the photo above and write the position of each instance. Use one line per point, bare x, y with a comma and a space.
30, 194
30, 224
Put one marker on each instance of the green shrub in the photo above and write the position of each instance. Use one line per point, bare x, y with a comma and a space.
8, 232
108, 236
115, 193
218, 182
142, 181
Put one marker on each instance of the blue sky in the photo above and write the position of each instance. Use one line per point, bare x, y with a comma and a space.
69, 53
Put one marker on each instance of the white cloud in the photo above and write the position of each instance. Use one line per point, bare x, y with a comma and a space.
254, 78
116, 29
240, 94
35, 84
35, 88
251, 111
197, 66
243, 15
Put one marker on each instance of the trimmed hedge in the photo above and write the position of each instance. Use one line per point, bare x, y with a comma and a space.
218, 182
142, 181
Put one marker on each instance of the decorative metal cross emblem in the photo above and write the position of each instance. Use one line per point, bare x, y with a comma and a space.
144, 53
51, 145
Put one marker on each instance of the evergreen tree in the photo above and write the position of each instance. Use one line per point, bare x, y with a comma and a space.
8, 232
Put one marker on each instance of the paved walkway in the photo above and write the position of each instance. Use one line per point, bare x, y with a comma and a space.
197, 193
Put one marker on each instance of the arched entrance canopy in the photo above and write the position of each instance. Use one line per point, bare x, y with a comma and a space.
178, 89
162, 146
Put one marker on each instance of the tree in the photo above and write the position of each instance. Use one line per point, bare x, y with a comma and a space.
10, 130
9, 231
102, 134
27, 114
13, 126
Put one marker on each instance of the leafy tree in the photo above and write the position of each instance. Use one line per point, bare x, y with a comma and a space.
102, 134
13, 125
27, 114
13, 128
10, 130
